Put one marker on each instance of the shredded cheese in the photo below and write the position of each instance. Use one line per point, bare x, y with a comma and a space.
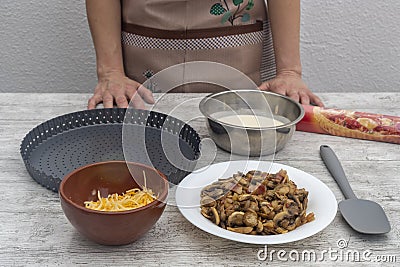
131, 199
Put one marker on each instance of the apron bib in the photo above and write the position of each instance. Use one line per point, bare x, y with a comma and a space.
157, 34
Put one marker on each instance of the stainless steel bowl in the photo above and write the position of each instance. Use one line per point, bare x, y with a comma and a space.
251, 141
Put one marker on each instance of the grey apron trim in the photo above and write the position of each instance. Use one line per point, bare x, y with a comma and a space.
193, 44
268, 66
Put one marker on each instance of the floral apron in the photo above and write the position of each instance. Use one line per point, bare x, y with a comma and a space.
157, 34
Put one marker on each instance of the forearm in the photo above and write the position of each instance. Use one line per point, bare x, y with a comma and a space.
104, 17
285, 26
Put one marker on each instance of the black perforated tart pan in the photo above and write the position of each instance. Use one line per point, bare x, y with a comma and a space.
60, 145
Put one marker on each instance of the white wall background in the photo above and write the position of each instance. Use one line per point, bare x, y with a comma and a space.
346, 46
45, 46
351, 45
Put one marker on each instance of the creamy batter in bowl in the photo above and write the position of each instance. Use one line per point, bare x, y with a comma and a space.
251, 122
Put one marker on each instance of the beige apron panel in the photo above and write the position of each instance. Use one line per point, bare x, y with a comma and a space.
201, 18
183, 14
245, 55
151, 54
160, 14
241, 58
246, 59
199, 88
138, 60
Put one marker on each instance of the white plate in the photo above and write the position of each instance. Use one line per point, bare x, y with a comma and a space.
321, 200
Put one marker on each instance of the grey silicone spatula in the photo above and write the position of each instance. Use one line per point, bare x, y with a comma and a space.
362, 215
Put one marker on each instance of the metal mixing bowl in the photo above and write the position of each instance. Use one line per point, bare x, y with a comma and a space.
251, 141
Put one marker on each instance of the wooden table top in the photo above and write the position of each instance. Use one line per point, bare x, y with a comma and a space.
34, 230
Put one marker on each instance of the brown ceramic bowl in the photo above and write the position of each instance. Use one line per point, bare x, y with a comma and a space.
111, 228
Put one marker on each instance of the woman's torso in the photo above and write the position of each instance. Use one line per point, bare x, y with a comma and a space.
158, 34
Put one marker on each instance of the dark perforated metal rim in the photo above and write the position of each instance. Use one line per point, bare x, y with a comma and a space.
58, 146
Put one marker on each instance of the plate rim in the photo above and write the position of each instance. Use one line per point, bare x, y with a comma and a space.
249, 239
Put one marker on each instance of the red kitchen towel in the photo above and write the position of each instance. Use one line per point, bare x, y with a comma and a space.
361, 125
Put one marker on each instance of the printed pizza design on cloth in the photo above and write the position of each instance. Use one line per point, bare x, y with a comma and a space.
359, 124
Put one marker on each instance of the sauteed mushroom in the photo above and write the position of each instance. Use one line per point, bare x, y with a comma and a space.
207, 201
260, 227
250, 218
215, 214
256, 203
240, 230
236, 218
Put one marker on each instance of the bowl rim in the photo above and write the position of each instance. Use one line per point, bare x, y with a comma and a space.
285, 125
157, 201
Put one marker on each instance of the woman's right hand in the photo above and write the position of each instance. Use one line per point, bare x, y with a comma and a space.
116, 88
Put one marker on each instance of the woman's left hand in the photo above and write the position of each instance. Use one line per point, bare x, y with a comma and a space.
291, 85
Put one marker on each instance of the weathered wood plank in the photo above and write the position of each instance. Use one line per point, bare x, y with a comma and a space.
34, 230
47, 106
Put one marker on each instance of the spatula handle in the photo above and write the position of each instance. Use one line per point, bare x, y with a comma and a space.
335, 168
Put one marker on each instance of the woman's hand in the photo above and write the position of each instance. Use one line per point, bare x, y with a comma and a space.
113, 86
116, 88
284, 17
291, 85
